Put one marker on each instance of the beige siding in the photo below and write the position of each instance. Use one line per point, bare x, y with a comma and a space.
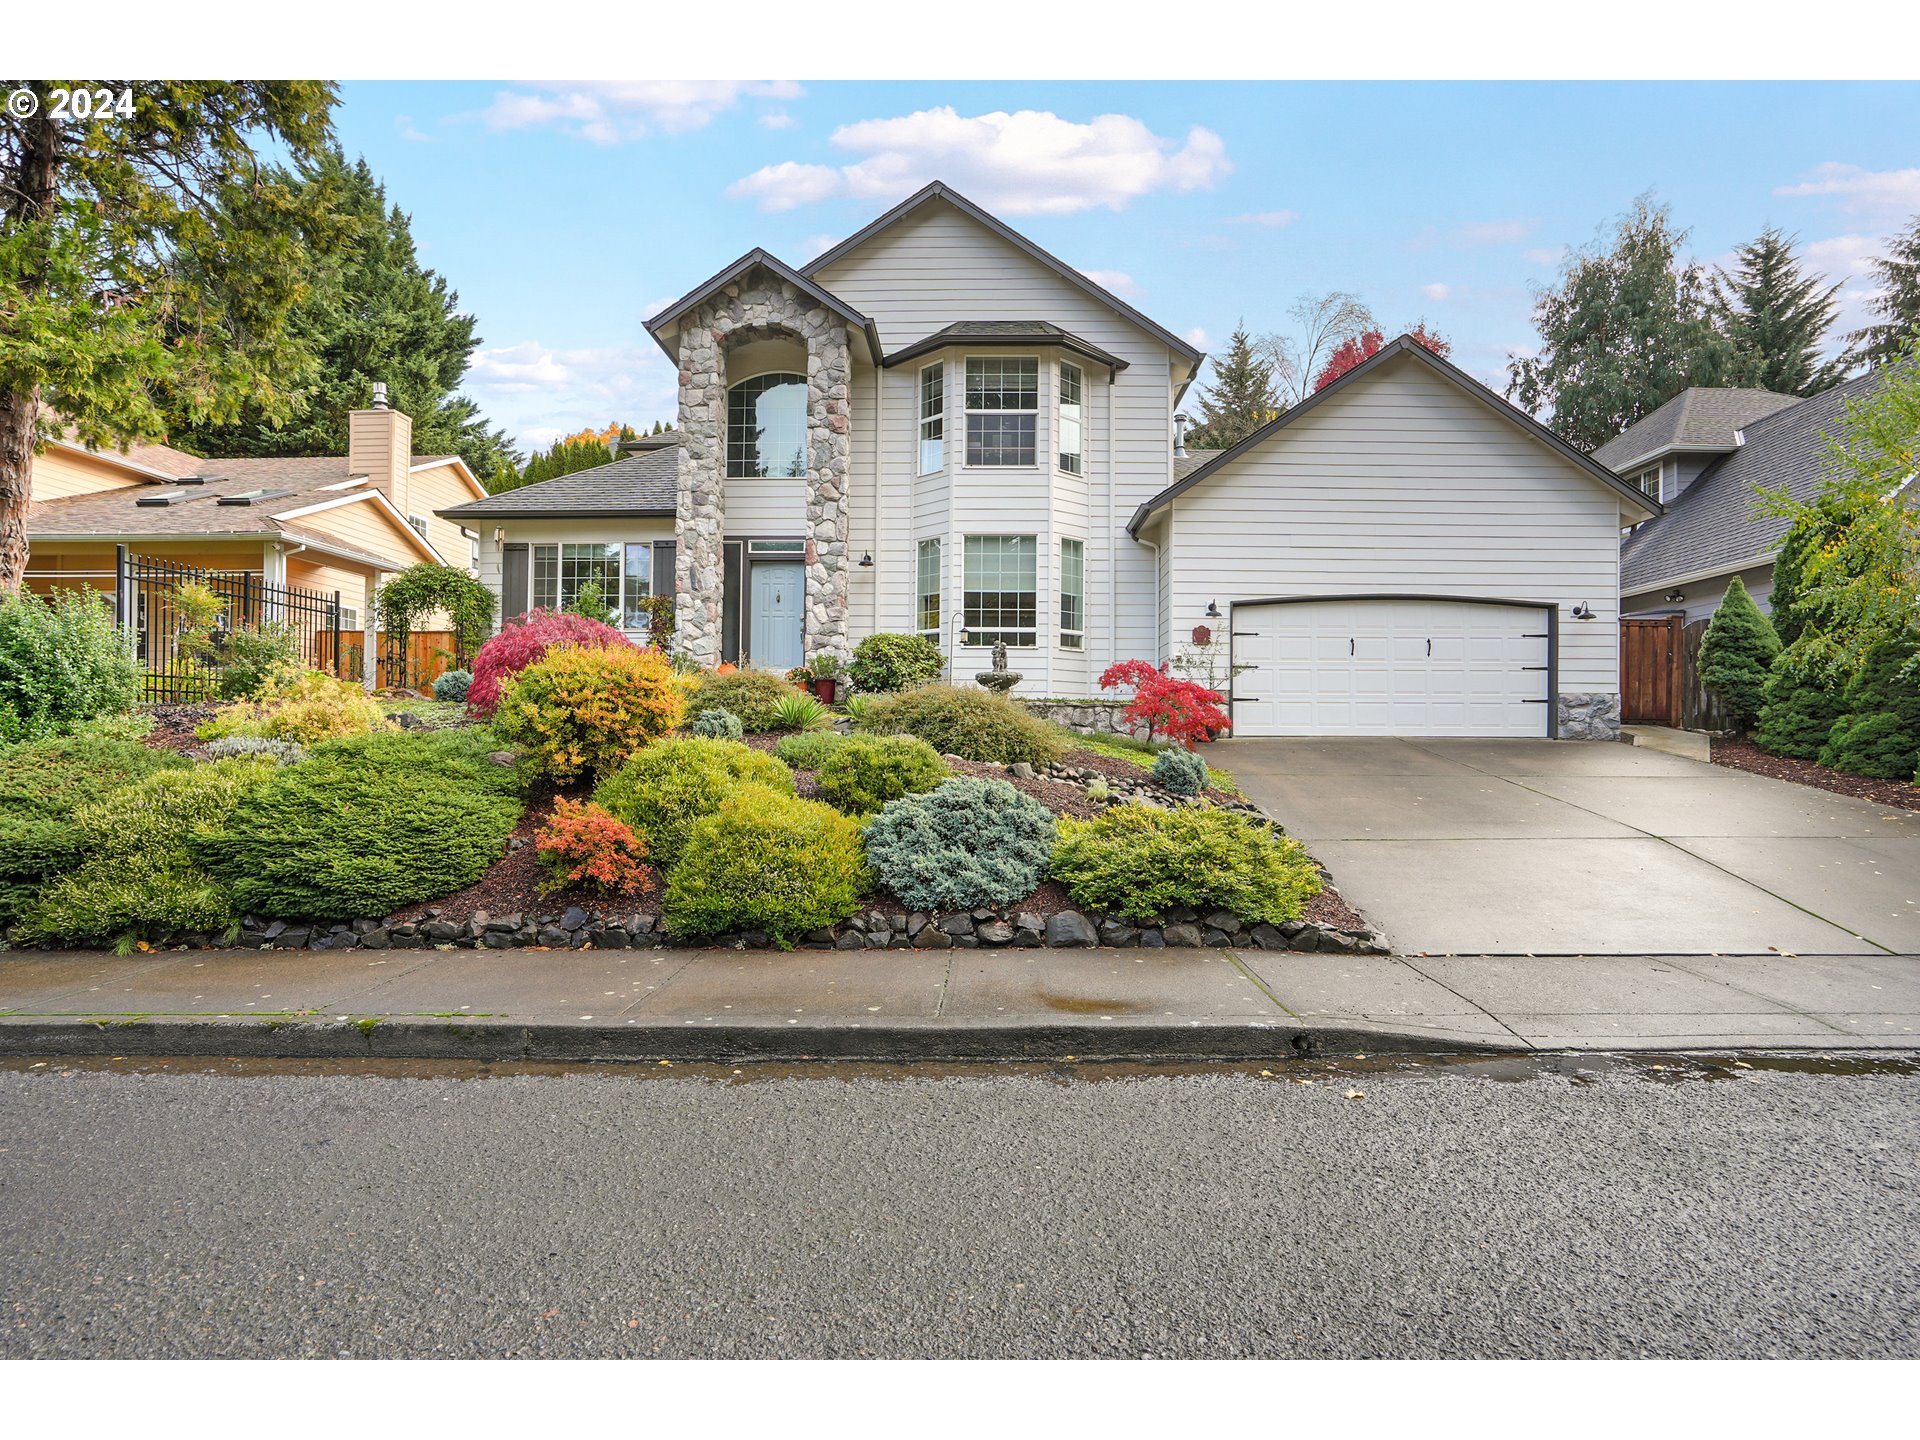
931, 270
1403, 485
441, 488
366, 527
65, 472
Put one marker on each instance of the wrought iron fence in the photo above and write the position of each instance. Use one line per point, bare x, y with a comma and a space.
147, 603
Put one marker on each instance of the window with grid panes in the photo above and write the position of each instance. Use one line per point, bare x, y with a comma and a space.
1070, 441
1073, 594
1003, 406
927, 596
1002, 590
933, 418
767, 428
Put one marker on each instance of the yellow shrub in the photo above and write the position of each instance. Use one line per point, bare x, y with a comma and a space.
308, 707
583, 710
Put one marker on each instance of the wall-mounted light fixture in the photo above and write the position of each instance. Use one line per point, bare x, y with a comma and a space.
1582, 611
1676, 597
866, 561
499, 533
1213, 610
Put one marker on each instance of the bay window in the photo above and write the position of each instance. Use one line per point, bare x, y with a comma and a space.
562, 570
1002, 600
926, 608
1073, 594
1070, 441
636, 587
933, 418
1003, 406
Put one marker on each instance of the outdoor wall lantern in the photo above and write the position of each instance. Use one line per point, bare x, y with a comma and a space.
866, 561
1675, 597
1213, 610
1582, 611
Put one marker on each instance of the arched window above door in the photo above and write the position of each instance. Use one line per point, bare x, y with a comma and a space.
767, 427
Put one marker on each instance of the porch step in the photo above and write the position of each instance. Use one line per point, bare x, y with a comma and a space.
1687, 744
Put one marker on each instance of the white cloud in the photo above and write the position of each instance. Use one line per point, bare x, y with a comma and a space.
1031, 162
1197, 338
538, 393
1889, 193
1847, 260
1492, 232
777, 120
1118, 281
1545, 255
814, 246
1265, 217
1435, 291
409, 131
610, 111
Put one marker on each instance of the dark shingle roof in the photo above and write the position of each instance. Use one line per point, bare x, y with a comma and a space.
1695, 419
646, 483
134, 509
1711, 524
1185, 465
1006, 332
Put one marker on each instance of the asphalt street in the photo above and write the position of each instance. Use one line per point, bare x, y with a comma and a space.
1510, 1207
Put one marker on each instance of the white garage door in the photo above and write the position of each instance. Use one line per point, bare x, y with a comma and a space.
1390, 667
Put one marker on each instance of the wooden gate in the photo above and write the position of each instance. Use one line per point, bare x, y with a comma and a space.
1652, 656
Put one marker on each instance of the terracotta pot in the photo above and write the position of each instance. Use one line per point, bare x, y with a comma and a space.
824, 689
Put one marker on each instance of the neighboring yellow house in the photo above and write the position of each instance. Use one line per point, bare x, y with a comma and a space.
322, 524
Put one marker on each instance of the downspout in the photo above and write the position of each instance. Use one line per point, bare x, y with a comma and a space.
1112, 538
880, 556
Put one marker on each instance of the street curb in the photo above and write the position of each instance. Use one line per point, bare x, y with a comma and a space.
930, 1040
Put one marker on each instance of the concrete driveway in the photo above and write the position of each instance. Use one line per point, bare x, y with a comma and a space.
1540, 847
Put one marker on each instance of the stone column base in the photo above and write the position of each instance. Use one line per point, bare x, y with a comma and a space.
1594, 716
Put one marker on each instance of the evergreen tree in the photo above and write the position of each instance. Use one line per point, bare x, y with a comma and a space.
1798, 712
1736, 653
1241, 398
1897, 302
1879, 735
1776, 318
1624, 331
371, 313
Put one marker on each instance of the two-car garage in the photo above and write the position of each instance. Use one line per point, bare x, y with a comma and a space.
1391, 665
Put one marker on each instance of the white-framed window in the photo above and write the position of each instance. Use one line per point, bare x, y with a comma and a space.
1002, 590
636, 585
767, 427
1073, 594
926, 607
1070, 417
559, 570
1648, 483
473, 551
1003, 410
419, 523
933, 418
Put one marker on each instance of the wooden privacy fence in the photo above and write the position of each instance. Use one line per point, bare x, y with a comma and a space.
1660, 675
429, 655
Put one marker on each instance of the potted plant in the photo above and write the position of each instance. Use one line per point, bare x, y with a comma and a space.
826, 676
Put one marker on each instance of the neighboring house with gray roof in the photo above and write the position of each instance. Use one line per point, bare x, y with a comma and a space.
936, 427
1711, 452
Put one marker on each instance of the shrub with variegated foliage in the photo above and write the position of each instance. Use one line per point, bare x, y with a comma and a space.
580, 712
522, 641
583, 845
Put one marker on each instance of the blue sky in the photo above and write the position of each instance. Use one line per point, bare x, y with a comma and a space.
566, 213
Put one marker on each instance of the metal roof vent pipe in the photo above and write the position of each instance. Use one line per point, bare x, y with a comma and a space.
1180, 434
380, 395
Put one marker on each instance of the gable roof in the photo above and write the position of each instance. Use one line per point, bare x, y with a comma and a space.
1019, 333
1697, 419
1710, 527
758, 258
643, 483
938, 190
1465, 383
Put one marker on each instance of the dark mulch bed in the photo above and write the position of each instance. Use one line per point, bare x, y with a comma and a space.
512, 885
1745, 755
173, 727
1056, 795
1329, 907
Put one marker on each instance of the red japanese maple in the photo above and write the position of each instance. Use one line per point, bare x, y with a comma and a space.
1179, 710
522, 641
1365, 346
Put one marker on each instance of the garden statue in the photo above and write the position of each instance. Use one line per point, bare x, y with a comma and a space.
999, 679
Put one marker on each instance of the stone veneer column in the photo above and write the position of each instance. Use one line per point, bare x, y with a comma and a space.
700, 511
829, 443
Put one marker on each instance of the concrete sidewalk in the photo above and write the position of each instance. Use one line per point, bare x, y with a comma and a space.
723, 1004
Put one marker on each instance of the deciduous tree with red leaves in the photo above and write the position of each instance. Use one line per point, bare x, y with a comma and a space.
1180, 710
1365, 346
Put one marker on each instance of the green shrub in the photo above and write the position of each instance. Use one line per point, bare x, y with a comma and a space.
753, 695
970, 842
810, 749
801, 712
61, 662
662, 791
1798, 713
885, 663
1878, 732
766, 861
305, 707
452, 687
43, 785
232, 747
364, 826
968, 722
1139, 862
1735, 654
857, 706
867, 771
242, 664
1181, 771
581, 710
717, 724
139, 878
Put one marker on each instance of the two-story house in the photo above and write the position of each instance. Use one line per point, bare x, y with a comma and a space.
938, 427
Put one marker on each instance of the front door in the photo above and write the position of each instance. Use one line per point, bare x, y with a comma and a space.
774, 629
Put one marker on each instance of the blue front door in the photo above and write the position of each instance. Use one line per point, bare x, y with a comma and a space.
775, 639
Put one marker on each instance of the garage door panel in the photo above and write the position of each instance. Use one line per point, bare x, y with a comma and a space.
1390, 667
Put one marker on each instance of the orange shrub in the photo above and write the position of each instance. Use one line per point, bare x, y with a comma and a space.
584, 845
581, 711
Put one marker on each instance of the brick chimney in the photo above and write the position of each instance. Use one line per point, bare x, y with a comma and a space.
380, 446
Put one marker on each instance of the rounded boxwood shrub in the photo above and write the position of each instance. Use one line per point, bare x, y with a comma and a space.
869, 770
581, 711
138, 879
452, 687
970, 842
769, 862
362, 827
966, 721
665, 788
522, 641
714, 723
1181, 771
61, 662
1138, 863
886, 662
809, 750
753, 695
